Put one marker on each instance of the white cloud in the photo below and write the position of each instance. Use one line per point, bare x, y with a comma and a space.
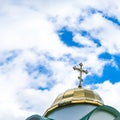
109, 93
29, 27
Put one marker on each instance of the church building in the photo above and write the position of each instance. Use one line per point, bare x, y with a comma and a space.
78, 104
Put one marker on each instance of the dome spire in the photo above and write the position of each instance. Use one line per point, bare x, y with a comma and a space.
74, 96
81, 70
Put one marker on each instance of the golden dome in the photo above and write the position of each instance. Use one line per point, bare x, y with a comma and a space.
75, 96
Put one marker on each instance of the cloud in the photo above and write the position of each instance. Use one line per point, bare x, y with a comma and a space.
36, 62
109, 93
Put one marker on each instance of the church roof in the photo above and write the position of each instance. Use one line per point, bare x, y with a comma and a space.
75, 96
103, 108
37, 117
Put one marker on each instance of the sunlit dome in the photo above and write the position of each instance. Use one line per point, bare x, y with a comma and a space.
75, 96
79, 104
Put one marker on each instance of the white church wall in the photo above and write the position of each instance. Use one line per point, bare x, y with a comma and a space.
72, 112
102, 115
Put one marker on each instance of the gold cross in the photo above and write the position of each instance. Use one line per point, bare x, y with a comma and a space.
81, 71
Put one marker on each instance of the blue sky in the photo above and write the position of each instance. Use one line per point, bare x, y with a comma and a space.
40, 43
110, 72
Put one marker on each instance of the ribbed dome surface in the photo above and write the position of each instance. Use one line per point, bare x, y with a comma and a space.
76, 96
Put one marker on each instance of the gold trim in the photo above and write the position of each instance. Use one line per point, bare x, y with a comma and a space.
49, 110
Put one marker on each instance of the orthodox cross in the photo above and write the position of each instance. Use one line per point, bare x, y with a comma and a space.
81, 71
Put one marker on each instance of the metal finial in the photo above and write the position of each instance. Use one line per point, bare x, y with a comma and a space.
81, 71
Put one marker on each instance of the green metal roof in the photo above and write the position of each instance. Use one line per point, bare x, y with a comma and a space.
109, 109
37, 117
118, 118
